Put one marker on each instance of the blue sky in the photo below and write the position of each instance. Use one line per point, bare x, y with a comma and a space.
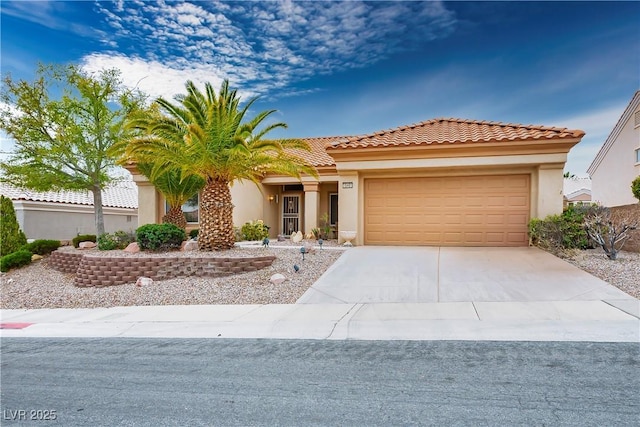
346, 68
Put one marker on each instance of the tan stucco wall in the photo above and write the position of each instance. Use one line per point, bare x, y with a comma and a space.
248, 202
611, 181
548, 198
350, 200
42, 220
148, 203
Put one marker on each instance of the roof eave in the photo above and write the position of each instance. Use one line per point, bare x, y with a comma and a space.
633, 104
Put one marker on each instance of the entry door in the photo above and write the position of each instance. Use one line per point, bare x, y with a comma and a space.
290, 214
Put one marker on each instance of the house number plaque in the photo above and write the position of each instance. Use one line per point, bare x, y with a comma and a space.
347, 184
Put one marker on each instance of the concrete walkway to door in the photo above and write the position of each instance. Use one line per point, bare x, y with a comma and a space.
371, 274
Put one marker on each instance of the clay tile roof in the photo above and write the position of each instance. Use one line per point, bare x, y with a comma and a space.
455, 131
122, 194
318, 155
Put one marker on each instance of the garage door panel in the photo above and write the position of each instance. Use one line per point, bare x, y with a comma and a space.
518, 219
517, 201
473, 210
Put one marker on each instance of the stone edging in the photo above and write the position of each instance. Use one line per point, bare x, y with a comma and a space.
108, 271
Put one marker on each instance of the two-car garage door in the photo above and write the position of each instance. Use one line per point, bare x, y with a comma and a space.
451, 211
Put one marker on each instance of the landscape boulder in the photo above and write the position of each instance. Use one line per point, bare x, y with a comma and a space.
87, 245
132, 248
277, 278
189, 245
144, 281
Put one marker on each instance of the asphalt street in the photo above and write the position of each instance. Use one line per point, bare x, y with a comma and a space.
193, 382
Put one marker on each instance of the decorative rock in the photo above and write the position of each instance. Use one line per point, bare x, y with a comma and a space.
309, 249
36, 257
132, 248
189, 245
348, 236
144, 281
87, 245
277, 278
281, 238
296, 237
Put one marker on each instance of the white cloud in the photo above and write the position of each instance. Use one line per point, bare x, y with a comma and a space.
267, 45
597, 125
154, 78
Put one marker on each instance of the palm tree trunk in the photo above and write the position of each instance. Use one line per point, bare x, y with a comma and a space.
175, 217
216, 217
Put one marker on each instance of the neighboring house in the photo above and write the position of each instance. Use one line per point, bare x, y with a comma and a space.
62, 215
577, 190
617, 163
440, 182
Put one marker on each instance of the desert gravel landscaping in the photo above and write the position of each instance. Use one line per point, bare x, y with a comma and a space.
38, 286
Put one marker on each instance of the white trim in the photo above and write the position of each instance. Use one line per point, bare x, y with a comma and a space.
533, 159
69, 208
624, 118
284, 180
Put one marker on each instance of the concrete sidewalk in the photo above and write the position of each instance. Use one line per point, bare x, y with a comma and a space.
375, 293
597, 321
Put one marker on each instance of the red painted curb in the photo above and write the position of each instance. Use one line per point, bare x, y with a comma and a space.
14, 325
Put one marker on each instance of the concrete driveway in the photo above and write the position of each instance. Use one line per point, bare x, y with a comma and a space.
373, 274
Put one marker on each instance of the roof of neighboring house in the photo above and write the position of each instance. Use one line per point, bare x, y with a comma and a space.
626, 115
454, 131
123, 194
575, 186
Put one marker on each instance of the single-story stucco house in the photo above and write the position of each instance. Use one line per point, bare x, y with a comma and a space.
617, 163
62, 215
438, 182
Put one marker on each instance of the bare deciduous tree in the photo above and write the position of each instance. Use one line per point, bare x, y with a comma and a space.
608, 232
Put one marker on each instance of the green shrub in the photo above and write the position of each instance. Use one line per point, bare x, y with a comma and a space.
564, 231
42, 247
15, 259
254, 230
83, 238
237, 234
193, 233
635, 188
11, 237
158, 237
118, 240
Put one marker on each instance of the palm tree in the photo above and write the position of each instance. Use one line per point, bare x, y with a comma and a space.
209, 135
176, 190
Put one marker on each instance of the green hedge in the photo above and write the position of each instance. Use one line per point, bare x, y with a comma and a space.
254, 230
635, 188
42, 246
11, 237
564, 231
159, 237
15, 259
